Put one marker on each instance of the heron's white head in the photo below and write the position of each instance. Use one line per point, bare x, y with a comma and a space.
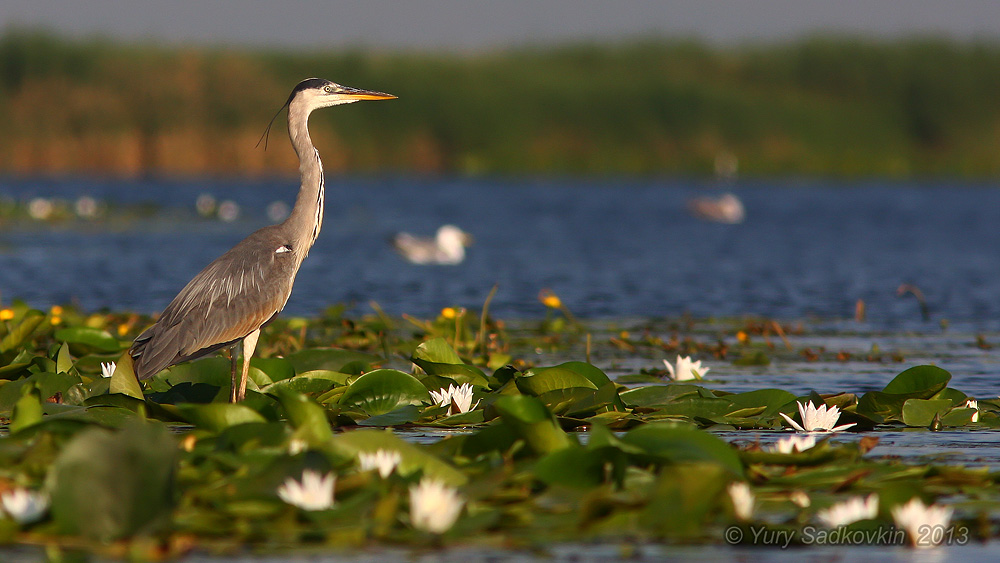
315, 93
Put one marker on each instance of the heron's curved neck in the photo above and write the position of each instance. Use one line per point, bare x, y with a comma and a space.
306, 217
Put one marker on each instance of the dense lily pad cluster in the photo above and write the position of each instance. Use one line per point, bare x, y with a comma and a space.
452, 442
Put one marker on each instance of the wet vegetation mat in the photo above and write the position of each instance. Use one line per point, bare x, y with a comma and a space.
468, 432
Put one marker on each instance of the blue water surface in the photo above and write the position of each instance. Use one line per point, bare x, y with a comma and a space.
608, 247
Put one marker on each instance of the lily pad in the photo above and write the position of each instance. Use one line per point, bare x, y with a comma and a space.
920, 381
532, 422
414, 458
920, 412
384, 390
91, 338
330, 359
109, 485
674, 443
216, 417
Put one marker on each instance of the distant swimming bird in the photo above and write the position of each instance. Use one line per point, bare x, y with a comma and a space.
446, 248
229, 301
724, 209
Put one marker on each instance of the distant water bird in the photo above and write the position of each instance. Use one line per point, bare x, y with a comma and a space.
241, 291
726, 208
446, 248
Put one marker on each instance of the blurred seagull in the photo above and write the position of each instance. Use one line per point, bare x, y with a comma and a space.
726, 208
447, 247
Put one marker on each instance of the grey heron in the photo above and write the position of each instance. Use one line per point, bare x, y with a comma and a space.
241, 291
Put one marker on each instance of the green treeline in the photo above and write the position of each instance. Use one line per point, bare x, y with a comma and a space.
821, 106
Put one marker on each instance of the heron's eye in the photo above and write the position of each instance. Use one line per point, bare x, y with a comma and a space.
328, 89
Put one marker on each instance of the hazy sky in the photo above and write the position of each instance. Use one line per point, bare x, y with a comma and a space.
466, 24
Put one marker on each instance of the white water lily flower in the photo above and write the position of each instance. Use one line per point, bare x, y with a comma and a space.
457, 399
917, 518
24, 506
814, 419
686, 369
385, 461
793, 444
743, 499
315, 492
434, 506
849, 511
297, 446
973, 404
108, 369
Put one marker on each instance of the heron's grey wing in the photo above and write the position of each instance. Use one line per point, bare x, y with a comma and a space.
233, 296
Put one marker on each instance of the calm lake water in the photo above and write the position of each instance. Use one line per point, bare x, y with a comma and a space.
610, 248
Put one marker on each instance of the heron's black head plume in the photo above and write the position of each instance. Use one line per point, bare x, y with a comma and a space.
304, 85
269, 123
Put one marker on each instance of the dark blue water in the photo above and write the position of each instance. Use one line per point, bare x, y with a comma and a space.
609, 248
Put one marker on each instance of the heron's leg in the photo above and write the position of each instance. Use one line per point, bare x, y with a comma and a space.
233, 358
249, 344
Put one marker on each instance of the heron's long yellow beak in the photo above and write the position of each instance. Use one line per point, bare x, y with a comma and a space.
359, 94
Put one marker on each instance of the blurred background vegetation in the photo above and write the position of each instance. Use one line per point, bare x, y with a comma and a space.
834, 106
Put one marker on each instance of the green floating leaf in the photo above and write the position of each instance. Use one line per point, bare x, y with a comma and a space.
276, 369
581, 468
187, 392
27, 410
22, 331
533, 423
330, 359
309, 383
123, 380
656, 395
216, 417
922, 380
920, 412
687, 496
384, 390
675, 443
436, 357
959, 417
46, 383
571, 388
771, 399
215, 371
402, 415
414, 458
94, 338
64, 361
252, 435
471, 418
308, 418
542, 380
436, 350
109, 485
